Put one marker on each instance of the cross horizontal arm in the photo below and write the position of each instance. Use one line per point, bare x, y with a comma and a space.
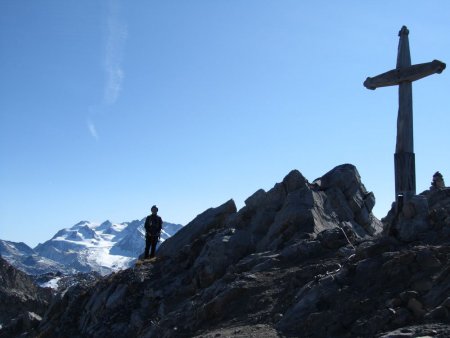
398, 75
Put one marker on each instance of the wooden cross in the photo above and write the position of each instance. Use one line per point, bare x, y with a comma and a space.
403, 76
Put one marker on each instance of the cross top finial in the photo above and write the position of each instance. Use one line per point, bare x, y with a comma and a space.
403, 31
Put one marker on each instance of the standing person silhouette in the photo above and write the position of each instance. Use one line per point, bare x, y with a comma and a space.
153, 226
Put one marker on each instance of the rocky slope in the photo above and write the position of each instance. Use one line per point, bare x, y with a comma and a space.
301, 260
22, 303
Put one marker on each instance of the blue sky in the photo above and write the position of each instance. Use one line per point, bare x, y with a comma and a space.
108, 107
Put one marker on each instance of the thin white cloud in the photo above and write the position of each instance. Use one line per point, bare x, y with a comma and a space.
115, 41
92, 129
115, 38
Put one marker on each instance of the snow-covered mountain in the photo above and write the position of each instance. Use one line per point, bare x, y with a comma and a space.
27, 260
85, 247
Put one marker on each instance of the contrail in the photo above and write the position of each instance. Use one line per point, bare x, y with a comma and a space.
115, 42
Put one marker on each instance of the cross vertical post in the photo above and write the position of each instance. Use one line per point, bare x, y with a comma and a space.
404, 157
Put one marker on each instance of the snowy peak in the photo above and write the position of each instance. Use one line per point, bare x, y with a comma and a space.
81, 234
8, 248
82, 223
103, 248
104, 226
84, 247
106, 223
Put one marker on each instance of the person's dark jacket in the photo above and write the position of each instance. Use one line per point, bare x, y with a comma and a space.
153, 225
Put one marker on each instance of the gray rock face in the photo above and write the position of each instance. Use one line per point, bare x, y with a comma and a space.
298, 260
212, 218
346, 180
424, 217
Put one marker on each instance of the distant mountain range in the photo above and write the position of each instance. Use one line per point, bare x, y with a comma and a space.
84, 247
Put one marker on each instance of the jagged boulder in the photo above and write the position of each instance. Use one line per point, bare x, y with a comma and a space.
344, 181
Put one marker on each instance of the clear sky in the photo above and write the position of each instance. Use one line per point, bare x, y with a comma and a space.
108, 107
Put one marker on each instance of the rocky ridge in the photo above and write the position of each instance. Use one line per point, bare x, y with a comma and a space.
300, 260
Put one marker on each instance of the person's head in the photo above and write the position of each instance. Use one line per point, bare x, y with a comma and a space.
154, 210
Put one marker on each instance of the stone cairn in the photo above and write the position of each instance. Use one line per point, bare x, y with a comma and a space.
438, 182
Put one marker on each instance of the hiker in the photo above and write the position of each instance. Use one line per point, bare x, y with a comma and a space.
153, 226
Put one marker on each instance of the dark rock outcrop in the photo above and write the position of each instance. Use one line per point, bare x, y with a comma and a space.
302, 259
22, 303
